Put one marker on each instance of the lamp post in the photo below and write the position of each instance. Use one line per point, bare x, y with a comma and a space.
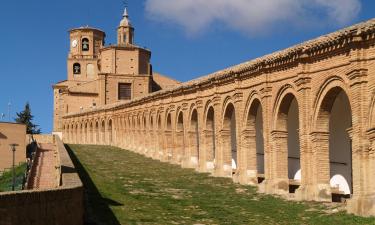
13, 149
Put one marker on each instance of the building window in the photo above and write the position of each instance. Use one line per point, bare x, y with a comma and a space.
124, 91
85, 44
76, 68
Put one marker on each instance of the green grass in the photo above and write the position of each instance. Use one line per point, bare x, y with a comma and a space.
6, 179
126, 188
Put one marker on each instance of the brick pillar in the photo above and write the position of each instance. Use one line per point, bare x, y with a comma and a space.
240, 174
224, 165
249, 159
267, 105
320, 163
279, 181
209, 150
217, 127
304, 192
200, 134
193, 147
179, 145
363, 199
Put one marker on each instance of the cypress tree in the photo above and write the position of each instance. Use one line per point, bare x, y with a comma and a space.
25, 117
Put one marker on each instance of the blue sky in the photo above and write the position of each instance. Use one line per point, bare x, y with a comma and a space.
188, 38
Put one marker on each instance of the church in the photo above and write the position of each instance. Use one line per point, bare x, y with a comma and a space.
99, 75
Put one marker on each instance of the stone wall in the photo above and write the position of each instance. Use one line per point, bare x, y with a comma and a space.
62, 205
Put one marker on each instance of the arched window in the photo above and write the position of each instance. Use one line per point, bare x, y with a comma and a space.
76, 68
85, 44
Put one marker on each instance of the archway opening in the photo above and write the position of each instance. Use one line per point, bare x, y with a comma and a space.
168, 137
81, 134
288, 142
210, 139
335, 117
86, 134
97, 132
194, 138
110, 132
91, 133
180, 140
103, 132
160, 136
230, 138
255, 142
152, 134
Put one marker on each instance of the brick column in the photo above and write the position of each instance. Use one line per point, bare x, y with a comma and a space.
304, 113
279, 180
363, 199
240, 174
179, 145
224, 158
267, 104
202, 165
193, 145
320, 163
209, 148
249, 159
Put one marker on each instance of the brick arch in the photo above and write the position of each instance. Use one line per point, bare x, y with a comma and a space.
332, 133
180, 148
97, 130
209, 136
227, 101
253, 137
160, 129
286, 137
102, 130
283, 99
207, 106
254, 100
75, 131
177, 124
193, 135
321, 108
229, 136
81, 132
110, 128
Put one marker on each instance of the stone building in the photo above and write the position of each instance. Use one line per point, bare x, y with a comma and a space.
100, 75
299, 123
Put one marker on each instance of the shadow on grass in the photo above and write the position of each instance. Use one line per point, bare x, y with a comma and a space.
97, 210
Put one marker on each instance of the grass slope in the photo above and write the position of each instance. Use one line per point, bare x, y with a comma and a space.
126, 188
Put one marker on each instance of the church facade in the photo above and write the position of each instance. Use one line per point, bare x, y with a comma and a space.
100, 75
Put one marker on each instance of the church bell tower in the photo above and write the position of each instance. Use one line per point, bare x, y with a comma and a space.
125, 32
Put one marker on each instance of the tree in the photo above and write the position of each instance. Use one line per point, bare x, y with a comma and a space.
26, 118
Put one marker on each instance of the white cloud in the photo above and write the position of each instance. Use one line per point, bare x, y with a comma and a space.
250, 16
